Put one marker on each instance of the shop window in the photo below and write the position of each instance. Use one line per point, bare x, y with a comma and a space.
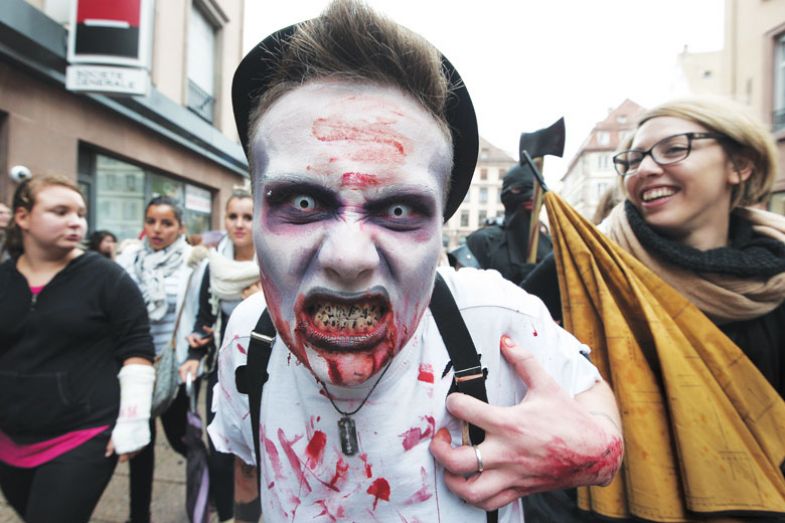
464, 218
778, 114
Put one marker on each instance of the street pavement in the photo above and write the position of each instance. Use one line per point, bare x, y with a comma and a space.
168, 489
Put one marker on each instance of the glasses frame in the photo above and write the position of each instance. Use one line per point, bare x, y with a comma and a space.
691, 136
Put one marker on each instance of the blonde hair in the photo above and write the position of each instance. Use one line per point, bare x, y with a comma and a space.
25, 198
748, 144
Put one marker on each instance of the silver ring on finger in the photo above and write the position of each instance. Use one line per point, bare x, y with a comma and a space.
478, 455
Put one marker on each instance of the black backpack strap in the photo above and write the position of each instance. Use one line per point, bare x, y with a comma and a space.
251, 377
467, 369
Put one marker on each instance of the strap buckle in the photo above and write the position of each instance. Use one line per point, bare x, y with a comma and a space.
262, 337
470, 374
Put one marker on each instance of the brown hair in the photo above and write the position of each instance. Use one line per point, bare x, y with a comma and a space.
25, 198
748, 144
350, 41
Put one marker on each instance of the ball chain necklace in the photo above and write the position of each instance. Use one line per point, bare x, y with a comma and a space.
346, 427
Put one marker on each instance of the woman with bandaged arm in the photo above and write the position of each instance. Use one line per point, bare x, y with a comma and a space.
76, 377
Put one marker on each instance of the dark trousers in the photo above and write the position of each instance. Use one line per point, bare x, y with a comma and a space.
65, 489
143, 464
221, 465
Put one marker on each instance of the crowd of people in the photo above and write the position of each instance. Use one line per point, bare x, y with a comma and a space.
358, 378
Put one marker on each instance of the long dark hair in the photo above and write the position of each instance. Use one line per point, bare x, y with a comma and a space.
94, 243
24, 197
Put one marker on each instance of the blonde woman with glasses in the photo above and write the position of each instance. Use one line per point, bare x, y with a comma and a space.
695, 175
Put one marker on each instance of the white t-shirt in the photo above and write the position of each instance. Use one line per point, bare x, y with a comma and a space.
393, 477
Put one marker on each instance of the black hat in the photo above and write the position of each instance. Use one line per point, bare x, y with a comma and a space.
253, 76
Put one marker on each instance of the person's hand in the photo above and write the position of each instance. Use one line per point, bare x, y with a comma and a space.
121, 458
548, 441
189, 367
252, 289
197, 341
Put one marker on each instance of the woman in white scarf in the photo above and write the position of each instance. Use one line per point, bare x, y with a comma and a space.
231, 275
162, 266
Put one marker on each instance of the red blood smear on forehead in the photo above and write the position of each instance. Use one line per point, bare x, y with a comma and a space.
359, 180
378, 134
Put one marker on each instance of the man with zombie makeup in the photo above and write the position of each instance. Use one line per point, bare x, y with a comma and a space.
362, 140
505, 247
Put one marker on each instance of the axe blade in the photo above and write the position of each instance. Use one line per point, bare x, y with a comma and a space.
548, 141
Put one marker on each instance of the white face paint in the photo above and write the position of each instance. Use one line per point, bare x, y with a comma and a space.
350, 190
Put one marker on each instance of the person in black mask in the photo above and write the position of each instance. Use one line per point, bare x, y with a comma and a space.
505, 247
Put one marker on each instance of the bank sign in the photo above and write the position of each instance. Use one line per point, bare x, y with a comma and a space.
109, 46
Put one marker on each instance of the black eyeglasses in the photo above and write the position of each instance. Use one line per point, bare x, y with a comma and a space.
665, 152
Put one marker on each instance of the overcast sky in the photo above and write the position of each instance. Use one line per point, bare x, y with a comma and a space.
528, 62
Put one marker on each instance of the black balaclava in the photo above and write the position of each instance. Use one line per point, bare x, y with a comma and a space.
517, 188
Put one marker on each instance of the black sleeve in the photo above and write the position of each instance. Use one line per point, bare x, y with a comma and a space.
128, 317
543, 282
205, 316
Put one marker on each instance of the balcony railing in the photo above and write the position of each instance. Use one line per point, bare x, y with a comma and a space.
200, 102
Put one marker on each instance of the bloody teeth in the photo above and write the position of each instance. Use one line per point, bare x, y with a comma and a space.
335, 316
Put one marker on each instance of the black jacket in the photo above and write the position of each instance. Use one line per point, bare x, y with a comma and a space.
60, 352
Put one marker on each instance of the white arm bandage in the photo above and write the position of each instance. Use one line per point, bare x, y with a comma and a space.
132, 431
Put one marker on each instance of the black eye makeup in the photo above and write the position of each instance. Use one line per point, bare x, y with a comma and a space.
401, 212
300, 202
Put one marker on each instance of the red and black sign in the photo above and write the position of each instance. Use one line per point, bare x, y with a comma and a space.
108, 28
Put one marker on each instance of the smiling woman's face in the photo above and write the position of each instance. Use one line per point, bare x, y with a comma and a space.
351, 184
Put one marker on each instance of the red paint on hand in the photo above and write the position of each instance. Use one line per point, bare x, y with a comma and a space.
426, 373
315, 449
379, 489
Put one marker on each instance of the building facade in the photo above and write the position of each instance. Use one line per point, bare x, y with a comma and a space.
590, 172
178, 140
482, 202
754, 70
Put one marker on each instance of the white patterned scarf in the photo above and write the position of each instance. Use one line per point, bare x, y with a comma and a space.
152, 268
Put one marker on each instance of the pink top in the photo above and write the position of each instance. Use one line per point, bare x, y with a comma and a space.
34, 454
37, 289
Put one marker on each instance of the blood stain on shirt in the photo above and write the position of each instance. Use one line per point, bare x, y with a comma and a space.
340, 512
273, 458
379, 489
415, 435
315, 449
423, 494
426, 373
241, 348
294, 461
368, 469
341, 470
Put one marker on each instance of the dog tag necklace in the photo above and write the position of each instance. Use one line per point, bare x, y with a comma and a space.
347, 431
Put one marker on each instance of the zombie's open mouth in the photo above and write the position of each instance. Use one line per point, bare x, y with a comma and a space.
344, 323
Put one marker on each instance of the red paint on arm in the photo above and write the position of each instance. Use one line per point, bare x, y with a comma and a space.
315, 449
426, 373
379, 489
569, 466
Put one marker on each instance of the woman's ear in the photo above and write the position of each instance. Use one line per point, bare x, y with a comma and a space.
740, 167
21, 217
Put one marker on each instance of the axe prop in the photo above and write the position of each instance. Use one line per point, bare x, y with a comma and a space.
533, 148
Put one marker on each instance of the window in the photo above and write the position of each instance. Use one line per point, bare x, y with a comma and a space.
502, 172
481, 217
603, 161
464, 218
603, 138
201, 64
483, 174
483, 195
778, 116
119, 190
